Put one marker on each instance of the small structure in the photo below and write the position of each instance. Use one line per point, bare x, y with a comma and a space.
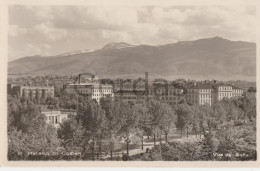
55, 117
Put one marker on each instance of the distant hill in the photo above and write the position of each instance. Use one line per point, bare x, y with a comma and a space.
200, 58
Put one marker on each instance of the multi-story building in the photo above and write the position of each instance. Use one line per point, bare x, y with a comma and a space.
207, 93
223, 91
30, 91
200, 94
236, 92
167, 94
130, 95
90, 90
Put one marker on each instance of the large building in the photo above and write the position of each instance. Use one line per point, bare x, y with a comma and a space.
93, 91
194, 93
200, 94
167, 94
207, 93
130, 95
30, 91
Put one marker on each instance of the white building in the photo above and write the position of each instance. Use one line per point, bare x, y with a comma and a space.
207, 93
92, 91
223, 91
55, 117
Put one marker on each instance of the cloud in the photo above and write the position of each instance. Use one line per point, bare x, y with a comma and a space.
66, 28
14, 30
36, 50
28, 49
49, 31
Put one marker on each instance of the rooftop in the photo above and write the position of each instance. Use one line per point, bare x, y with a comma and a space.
208, 86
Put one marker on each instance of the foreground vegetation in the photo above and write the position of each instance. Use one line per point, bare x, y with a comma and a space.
227, 129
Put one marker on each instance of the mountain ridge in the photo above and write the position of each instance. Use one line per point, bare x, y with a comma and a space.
199, 57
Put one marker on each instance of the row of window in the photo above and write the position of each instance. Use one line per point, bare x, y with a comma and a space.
40, 95
28, 90
101, 94
129, 94
225, 94
204, 101
200, 90
225, 88
86, 91
98, 90
193, 101
201, 96
237, 91
170, 92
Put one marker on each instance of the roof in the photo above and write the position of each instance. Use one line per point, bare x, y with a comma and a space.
130, 91
90, 84
209, 86
35, 86
201, 86
235, 87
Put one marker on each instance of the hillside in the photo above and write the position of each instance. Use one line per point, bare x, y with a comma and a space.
200, 58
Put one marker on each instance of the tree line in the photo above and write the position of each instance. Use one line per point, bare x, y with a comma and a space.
99, 128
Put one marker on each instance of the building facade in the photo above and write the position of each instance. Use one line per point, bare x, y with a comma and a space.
92, 91
56, 117
167, 94
207, 93
223, 91
32, 92
200, 94
237, 92
130, 95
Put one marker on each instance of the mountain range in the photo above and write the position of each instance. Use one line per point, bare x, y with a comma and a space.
203, 58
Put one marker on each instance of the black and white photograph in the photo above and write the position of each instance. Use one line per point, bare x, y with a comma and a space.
131, 83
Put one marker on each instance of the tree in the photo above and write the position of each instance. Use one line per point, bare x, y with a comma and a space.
112, 110
69, 100
251, 90
93, 119
248, 105
220, 113
153, 109
144, 121
196, 120
207, 118
27, 131
141, 111
52, 103
72, 136
183, 117
166, 118
129, 121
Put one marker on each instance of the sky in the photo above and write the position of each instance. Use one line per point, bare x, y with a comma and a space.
53, 30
